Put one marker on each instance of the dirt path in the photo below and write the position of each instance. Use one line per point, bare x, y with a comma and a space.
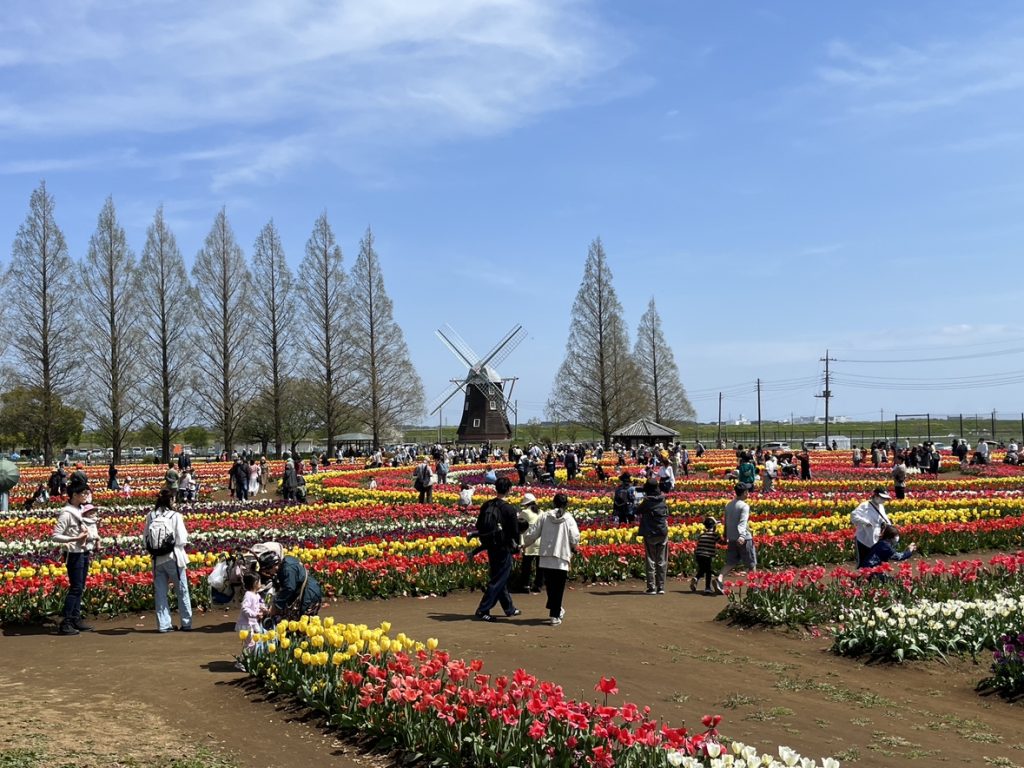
666, 652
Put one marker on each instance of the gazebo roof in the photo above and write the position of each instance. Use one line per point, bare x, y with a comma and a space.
645, 428
353, 437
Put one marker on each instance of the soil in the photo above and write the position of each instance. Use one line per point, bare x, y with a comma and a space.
108, 692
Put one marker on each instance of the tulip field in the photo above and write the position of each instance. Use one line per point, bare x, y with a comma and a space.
962, 597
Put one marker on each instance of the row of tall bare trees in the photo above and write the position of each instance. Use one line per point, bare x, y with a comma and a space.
603, 385
244, 347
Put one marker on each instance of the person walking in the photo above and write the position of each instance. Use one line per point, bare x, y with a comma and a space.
171, 479
704, 556
423, 481
899, 476
77, 533
771, 471
558, 537
653, 513
498, 527
529, 561
747, 471
869, 519
165, 538
290, 481
739, 540
112, 484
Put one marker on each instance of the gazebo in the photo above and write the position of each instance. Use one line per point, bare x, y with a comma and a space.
359, 442
644, 431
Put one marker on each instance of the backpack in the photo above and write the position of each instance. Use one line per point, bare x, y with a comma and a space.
624, 502
488, 525
159, 536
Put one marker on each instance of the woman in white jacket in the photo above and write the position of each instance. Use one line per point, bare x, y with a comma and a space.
169, 567
559, 537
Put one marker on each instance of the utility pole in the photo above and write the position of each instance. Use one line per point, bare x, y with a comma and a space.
994, 425
826, 393
759, 440
719, 441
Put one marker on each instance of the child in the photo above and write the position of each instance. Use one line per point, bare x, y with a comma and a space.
465, 496
373, 484
126, 489
704, 554
252, 610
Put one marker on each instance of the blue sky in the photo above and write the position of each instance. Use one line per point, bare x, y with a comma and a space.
782, 177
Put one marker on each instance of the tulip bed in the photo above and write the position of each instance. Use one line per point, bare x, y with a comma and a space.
378, 542
412, 697
1007, 667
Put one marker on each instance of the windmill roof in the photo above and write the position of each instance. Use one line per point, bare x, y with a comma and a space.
645, 428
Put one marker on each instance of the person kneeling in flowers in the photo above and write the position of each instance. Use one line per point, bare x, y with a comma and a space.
885, 550
296, 591
559, 538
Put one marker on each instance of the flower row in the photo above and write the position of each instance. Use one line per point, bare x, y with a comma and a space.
421, 701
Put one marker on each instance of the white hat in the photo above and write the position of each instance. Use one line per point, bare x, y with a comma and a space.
528, 498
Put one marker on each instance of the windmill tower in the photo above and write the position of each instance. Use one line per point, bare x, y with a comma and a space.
486, 406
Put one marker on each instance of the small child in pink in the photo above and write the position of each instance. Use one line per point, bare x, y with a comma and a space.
252, 609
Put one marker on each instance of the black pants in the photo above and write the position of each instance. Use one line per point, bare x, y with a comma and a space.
901, 491
704, 570
554, 582
427, 495
526, 566
862, 554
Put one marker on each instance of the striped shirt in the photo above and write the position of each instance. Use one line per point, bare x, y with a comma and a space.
706, 543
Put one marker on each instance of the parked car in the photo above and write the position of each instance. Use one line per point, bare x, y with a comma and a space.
136, 453
775, 445
813, 445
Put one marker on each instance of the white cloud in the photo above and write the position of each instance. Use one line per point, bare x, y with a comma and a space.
905, 80
323, 74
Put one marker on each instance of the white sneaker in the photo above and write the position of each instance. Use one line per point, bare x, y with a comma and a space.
555, 622
561, 613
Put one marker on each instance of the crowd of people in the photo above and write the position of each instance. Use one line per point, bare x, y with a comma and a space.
546, 540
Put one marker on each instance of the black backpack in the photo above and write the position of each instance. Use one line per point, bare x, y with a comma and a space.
620, 504
488, 525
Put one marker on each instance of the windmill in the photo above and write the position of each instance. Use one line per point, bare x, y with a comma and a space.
485, 410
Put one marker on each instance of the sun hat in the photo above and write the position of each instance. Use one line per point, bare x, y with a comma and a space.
528, 498
881, 493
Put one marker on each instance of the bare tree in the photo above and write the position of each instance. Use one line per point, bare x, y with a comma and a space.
40, 306
659, 374
271, 300
387, 389
222, 299
598, 383
112, 396
165, 299
323, 290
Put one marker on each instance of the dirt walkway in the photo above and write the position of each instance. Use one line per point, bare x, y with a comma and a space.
666, 652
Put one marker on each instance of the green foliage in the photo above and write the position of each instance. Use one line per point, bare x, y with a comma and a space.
21, 419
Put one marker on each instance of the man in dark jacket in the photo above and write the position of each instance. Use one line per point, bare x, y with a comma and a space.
289, 481
498, 524
240, 479
296, 591
653, 514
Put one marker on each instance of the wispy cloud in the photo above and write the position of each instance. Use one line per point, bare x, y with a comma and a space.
294, 80
906, 80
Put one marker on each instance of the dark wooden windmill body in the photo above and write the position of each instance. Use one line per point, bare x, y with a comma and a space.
486, 405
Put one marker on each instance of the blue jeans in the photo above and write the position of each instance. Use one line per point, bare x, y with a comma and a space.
500, 561
163, 574
78, 566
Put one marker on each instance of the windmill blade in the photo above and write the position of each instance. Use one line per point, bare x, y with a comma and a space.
505, 347
463, 347
443, 398
466, 359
